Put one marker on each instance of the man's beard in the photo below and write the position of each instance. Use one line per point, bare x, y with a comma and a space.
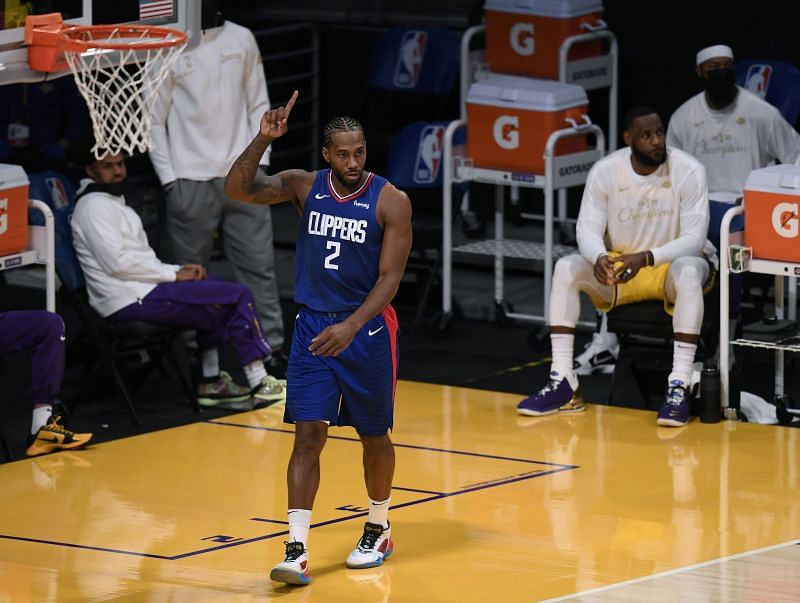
647, 160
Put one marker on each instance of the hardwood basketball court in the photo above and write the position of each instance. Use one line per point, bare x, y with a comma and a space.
486, 505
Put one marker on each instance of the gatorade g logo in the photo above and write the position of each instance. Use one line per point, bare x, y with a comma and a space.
522, 39
785, 220
506, 131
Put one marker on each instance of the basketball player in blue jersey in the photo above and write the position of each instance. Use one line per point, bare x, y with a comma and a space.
352, 248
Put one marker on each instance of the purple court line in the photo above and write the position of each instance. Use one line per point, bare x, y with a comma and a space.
265, 520
435, 496
86, 547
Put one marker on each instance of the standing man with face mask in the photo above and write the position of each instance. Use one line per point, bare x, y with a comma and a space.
731, 131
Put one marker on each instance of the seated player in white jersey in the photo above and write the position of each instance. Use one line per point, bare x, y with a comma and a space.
641, 235
354, 240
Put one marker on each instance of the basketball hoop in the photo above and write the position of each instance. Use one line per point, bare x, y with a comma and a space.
118, 70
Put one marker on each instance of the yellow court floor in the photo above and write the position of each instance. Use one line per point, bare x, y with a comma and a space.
487, 505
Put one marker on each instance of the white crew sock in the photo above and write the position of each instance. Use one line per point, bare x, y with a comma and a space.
562, 351
379, 511
210, 361
41, 415
299, 525
682, 361
255, 373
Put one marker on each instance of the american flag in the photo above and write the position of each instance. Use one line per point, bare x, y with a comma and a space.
150, 9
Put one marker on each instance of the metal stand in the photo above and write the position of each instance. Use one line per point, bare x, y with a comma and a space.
780, 270
561, 172
41, 251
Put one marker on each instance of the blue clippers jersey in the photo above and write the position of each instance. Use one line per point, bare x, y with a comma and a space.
339, 245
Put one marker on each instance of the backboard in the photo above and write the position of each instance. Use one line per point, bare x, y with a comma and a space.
177, 14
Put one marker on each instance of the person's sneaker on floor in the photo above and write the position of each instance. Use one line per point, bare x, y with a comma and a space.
221, 392
53, 437
276, 364
600, 355
294, 567
556, 396
674, 411
271, 392
373, 548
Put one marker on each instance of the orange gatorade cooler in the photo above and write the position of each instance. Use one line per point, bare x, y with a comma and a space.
524, 36
772, 213
509, 120
13, 209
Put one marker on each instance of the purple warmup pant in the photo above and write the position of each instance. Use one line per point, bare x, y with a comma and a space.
41, 332
219, 310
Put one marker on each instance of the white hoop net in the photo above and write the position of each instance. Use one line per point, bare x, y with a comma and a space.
121, 85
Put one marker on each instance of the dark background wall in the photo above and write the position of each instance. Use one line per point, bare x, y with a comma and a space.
657, 40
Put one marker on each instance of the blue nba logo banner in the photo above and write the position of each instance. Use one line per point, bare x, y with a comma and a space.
429, 155
409, 60
57, 192
757, 79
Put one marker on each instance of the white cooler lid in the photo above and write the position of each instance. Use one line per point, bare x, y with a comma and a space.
12, 176
526, 93
784, 178
558, 9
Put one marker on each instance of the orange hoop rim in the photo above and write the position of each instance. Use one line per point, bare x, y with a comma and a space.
169, 37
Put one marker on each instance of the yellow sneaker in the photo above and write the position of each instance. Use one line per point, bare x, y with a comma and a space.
54, 436
223, 392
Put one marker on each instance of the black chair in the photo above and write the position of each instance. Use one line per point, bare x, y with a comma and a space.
116, 343
415, 166
412, 77
644, 330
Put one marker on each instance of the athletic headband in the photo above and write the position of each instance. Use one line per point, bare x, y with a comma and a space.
712, 52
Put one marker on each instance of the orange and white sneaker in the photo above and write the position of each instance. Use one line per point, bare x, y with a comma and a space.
294, 567
54, 436
375, 546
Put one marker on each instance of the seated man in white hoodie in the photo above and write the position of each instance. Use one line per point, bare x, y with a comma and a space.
642, 235
126, 281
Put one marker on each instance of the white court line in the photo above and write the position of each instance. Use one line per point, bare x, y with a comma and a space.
679, 570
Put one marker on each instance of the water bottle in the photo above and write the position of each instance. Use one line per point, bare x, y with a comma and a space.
709, 394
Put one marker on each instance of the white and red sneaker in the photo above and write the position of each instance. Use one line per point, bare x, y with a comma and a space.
294, 567
375, 546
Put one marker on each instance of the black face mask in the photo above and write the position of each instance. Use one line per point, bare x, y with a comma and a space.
720, 85
118, 189
211, 16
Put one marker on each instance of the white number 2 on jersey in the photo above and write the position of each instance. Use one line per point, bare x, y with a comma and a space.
336, 246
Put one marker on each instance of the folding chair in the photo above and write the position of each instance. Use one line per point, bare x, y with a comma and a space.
644, 330
115, 342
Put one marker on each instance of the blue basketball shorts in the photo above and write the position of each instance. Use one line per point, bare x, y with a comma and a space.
356, 387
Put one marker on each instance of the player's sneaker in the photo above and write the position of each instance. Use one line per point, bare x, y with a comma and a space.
674, 411
271, 391
600, 355
221, 392
294, 567
54, 436
556, 396
374, 546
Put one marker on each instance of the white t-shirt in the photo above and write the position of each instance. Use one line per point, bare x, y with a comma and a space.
748, 134
111, 245
209, 107
665, 212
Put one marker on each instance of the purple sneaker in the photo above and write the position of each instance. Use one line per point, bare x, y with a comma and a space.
556, 396
674, 412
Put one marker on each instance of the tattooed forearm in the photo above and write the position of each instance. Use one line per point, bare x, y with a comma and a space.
247, 162
240, 181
